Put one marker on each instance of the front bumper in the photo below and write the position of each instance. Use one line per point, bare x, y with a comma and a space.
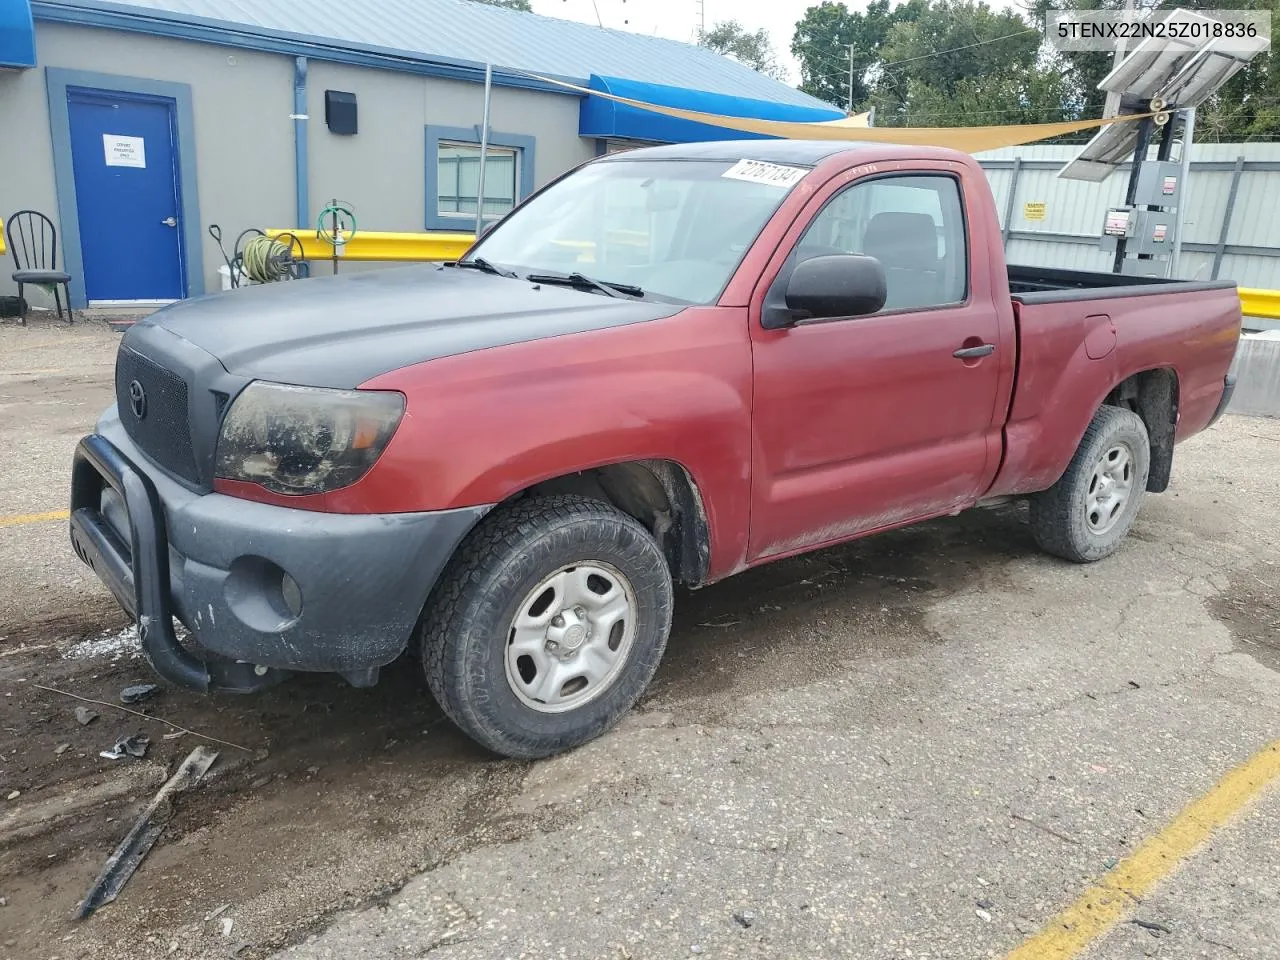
262, 589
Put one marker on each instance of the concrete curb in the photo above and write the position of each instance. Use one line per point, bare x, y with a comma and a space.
1257, 370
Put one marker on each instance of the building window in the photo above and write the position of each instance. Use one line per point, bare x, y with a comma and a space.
458, 180
453, 175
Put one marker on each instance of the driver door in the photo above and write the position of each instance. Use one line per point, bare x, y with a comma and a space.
862, 423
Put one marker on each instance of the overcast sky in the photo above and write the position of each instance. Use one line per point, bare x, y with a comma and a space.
678, 19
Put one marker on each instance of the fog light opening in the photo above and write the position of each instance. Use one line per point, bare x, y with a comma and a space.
262, 594
291, 593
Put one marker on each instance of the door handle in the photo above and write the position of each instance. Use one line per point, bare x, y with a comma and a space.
170, 221
973, 353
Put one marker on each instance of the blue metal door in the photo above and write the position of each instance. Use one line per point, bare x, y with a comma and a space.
125, 164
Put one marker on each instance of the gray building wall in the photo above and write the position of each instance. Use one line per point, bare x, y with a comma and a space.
381, 170
242, 102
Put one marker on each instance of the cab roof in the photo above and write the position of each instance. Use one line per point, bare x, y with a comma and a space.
807, 153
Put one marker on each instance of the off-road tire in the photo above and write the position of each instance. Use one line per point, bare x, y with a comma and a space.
464, 630
1059, 519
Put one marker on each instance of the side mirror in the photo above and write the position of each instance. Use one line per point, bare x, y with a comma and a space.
839, 285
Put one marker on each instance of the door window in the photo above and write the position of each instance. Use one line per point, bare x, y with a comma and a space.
914, 225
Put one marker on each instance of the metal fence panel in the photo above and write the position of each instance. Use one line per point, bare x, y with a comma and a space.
1231, 229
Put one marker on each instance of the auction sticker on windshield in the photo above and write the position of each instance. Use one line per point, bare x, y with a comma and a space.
774, 174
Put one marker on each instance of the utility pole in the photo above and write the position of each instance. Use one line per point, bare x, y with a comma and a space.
1113, 99
849, 112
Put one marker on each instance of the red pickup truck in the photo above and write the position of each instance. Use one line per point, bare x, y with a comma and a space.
665, 367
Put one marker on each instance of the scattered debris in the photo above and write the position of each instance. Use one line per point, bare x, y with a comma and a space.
61, 748
721, 622
116, 646
984, 915
217, 913
175, 735
983, 883
986, 905
138, 692
227, 924
14, 795
134, 746
4, 901
260, 782
1135, 684
85, 716
313, 770
142, 836
1049, 830
144, 716
744, 918
1152, 926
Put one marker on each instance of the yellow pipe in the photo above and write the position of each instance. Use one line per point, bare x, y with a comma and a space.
1260, 303
384, 246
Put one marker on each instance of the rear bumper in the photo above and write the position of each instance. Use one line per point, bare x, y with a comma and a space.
262, 589
1228, 388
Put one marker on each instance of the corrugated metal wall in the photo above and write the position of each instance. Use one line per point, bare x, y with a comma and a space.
1067, 236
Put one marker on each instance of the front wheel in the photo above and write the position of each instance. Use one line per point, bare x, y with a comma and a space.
548, 625
1084, 516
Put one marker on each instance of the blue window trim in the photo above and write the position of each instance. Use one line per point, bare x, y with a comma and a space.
525, 145
57, 80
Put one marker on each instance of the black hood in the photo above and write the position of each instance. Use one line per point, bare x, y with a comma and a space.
342, 331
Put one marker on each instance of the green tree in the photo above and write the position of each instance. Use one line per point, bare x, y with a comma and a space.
509, 4
735, 41
829, 33
1246, 108
961, 63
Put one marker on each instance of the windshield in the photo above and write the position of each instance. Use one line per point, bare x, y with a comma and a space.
674, 228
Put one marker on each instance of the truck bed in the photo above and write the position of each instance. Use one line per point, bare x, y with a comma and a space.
1032, 285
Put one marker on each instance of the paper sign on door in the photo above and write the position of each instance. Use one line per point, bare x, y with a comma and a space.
124, 151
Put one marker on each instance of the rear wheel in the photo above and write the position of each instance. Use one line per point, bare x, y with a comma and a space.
548, 625
1084, 516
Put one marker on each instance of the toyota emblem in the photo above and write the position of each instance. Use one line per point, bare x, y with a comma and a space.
137, 399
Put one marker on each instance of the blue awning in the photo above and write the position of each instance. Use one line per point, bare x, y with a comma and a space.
17, 34
598, 117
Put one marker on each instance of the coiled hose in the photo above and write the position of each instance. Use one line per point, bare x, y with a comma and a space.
267, 260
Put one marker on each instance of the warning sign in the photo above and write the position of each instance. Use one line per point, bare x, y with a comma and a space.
1033, 211
124, 151
1116, 224
1159, 233
1170, 184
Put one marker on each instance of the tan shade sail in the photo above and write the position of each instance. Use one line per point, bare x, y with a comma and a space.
967, 139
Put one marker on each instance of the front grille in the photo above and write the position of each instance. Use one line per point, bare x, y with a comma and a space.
162, 432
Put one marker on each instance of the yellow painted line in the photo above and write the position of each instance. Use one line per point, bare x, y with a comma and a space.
22, 519
1106, 902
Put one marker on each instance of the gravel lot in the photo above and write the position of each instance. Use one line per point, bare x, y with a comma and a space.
924, 744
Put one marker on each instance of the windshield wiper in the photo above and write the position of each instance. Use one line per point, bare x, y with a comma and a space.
480, 263
621, 290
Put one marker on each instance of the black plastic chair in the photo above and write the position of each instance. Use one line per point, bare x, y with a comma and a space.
33, 241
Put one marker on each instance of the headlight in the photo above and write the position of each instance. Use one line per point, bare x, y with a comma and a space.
302, 440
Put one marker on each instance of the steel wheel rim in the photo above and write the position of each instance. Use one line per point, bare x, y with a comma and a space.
571, 637
1110, 488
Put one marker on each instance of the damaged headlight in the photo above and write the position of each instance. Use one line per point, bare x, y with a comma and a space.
302, 440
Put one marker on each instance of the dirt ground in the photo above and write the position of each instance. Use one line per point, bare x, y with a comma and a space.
333, 798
